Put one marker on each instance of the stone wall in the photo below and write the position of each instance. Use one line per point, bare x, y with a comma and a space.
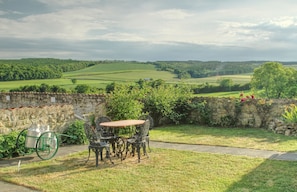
57, 117
19, 110
82, 103
256, 113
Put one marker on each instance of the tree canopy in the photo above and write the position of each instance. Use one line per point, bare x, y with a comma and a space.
38, 68
275, 80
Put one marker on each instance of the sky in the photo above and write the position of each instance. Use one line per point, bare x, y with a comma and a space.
151, 30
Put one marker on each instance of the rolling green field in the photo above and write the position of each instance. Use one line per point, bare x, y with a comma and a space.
102, 74
237, 79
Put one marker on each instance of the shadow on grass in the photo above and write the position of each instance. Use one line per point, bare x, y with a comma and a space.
14, 161
271, 175
71, 165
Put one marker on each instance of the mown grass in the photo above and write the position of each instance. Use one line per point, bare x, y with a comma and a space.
254, 138
165, 170
170, 170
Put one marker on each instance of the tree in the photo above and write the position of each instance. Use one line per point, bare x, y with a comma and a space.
226, 83
74, 81
44, 88
110, 87
82, 88
273, 78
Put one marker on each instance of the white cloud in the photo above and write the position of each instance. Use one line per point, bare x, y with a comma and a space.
63, 24
252, 25
170, 14
284, 22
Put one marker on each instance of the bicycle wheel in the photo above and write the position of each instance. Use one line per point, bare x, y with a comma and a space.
47, 145
20, 144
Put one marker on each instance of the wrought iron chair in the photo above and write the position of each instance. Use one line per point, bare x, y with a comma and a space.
139, 140
95, 144
151, 120
106, 133
110, 136
148, 117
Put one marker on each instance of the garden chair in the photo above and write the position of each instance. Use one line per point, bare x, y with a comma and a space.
139, 140
107, 134
110, 136
151, 121
96, 144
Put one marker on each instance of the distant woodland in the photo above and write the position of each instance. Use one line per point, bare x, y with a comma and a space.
49, 68
27, 69
199, 69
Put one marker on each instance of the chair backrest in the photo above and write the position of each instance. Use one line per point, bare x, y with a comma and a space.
148, 117
142, 131
91, 133
102, 130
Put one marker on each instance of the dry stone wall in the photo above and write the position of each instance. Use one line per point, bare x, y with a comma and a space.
82, 103
19, 110
56, 116
256, 113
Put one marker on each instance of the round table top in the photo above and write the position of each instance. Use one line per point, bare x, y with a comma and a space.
122, 123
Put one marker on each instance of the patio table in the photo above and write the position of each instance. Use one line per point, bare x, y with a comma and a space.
118, 144
122, 123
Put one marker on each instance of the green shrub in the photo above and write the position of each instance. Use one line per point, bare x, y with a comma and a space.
162, 102
204, 113
8, 145
76, 132
124, 102
169, 102
290, 114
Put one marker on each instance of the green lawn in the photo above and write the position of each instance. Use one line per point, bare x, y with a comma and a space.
171, 170
254, 138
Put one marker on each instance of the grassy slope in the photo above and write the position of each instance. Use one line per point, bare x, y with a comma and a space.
103, 74
99, 76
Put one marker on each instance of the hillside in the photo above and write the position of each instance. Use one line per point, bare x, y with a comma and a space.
100, 73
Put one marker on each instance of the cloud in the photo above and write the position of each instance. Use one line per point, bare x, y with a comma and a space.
149, 30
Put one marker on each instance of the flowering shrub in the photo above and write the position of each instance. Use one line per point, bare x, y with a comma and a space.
290, 114
244, 98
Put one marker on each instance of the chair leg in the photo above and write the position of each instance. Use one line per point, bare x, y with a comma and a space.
143, 145
108, 154
113, 146
97, 155
138, 152
144, 150
127, 149
148, 143
89, 155
101, 155
133, 149
120, 147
